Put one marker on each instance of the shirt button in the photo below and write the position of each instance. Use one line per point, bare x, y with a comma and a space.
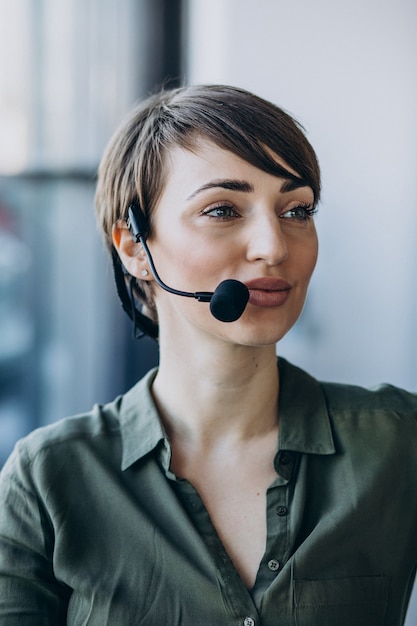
284, 458
248, 621
273, 565
282, 510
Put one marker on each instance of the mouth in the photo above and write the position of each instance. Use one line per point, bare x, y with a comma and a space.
268, 292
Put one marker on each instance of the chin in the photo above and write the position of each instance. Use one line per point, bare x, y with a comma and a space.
270, 328
258, 334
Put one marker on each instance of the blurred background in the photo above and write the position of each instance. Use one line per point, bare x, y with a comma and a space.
71, 69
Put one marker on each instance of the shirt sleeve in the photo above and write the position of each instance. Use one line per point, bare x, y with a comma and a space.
30, 595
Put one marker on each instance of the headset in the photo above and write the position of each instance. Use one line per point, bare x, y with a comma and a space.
227, 302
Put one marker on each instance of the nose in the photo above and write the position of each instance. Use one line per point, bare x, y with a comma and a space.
266, 241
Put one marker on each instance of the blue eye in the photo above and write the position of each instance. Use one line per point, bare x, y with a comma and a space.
221, 212
300, 213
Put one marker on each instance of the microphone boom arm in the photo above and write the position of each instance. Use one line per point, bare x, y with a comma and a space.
227, 302
138, 232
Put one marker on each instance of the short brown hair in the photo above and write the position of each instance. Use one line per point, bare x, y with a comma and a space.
133, 165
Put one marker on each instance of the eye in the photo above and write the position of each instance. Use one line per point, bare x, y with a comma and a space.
301, 213
221, 212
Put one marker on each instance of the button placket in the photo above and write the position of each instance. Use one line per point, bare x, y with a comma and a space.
278, 540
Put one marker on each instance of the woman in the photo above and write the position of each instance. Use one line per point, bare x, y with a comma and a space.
222, 489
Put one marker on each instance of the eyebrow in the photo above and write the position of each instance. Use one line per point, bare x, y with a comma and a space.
231, 184
289, 184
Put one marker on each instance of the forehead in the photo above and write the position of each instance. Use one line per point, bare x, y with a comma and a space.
205, 166
203, 155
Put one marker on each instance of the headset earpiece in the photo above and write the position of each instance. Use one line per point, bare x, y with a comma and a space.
137, 222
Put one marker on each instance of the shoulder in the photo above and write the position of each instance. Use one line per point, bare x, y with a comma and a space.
378, 423
82, 440
101, 423
59, 454
342, 398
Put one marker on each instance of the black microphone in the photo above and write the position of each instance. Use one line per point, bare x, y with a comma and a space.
230, 297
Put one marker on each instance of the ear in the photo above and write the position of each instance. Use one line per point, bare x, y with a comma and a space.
131, 253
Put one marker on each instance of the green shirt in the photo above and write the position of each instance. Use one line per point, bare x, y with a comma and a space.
96, 530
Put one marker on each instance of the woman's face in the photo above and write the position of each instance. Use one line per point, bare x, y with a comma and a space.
219, 217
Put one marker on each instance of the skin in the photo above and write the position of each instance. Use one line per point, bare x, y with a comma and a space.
228, 426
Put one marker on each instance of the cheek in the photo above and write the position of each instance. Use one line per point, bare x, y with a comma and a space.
194, 257
314, 251
304, 255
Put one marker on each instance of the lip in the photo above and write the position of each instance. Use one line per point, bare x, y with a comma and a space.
268, 291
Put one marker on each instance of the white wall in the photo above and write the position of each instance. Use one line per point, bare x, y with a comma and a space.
347, 72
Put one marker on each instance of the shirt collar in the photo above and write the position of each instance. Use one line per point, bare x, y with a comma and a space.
304, 424
141, 429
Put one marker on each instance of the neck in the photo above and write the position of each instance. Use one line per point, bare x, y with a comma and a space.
225, 394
